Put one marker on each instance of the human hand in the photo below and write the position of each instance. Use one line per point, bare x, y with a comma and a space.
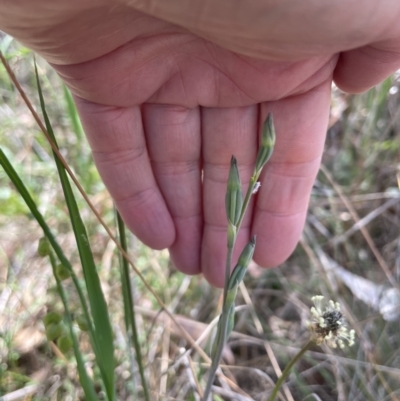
164, 109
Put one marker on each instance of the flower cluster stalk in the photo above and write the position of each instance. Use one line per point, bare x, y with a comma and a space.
235, 209
287, 370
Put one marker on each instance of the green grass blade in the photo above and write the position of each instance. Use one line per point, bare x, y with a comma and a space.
20, 186
73, 114
129, 311
15, 179
84, 379
103, 337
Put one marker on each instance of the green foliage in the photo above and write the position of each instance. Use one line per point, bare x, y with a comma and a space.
54, 330
43, 247
62, 272
102, 336
52, 318
64, 343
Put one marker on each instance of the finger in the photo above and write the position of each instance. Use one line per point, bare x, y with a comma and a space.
119, 151
281, 207
174, 143
226, 132
359, 70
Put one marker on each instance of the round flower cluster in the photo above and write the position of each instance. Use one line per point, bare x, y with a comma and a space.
327, 324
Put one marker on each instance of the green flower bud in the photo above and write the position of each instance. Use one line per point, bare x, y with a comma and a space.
54, 330
247, 254
234, 197
52, 317
43, 247
64, 343
267, 143
62, 272
242, 264
82, 323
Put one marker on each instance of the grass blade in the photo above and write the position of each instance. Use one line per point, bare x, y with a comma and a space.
103, 338
73, 114
84, 379
130, 320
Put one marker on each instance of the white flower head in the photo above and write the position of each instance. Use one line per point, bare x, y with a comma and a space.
327, 324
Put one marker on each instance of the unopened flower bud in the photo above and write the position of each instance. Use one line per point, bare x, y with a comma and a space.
54, 330
52, 317
82, 323
62, 272
242, 264
234, 197
43, 247
267, 143
64, 343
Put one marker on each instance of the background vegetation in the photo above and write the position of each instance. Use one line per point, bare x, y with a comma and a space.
349, 252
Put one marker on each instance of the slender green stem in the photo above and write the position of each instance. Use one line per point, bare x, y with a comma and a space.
287, 370
130, 319
254, 178
217, 357
228, 268
221, 335
85, 380
222, 327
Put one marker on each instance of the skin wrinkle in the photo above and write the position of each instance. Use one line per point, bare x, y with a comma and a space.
137, 50
176, 109
117, 111
283, 215
48, 45
249, 100
100, 141
289, 201
180, 153
275, 197
138, 198
317, 78
264, 18
241, 92
176, 168
243, 168
218, 97
221, 228
274, 167
120, 156
177, 209
276, 73
194, 215
379, 56
180, 74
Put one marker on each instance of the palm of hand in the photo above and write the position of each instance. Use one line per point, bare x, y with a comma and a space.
165, 110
